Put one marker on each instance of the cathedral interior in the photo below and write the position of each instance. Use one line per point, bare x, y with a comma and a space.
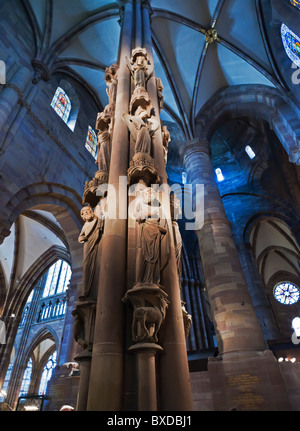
198, 311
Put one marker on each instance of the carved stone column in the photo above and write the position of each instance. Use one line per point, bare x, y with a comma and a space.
258, 293
106, 382
245, 376
84, 315
174, 378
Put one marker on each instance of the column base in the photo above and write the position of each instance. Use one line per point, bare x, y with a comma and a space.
247, 381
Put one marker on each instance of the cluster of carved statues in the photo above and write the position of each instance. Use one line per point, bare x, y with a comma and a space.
148, 298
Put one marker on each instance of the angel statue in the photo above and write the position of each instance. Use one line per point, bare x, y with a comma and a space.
139, 67
142, 127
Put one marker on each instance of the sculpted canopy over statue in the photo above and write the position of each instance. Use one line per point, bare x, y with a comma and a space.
140, 67
90, 236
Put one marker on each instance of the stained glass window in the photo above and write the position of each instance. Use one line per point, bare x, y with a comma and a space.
58, 277
26, 378
91, 142
61, 104
295, 3
291, 43
47, 373
286, 293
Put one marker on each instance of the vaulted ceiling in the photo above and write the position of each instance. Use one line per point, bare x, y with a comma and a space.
83, 35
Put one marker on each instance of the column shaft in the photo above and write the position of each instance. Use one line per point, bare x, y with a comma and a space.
106, 383
175, 390
258, 294
236, 325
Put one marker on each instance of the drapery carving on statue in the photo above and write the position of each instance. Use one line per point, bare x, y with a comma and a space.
79, 330
103, 144
139, 66
84, 321
142, 127
152, 242
90, 236
159, 89
165, 141
111, 78
175, 210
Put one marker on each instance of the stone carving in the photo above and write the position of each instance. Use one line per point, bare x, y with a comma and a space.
149, 310
103, 145
187, 320
90, 236
111, 78
89, 194
175, 209
159, 88
165, 141
142, 127
140, 99
140, 67
78, 329
152, 249
84, 319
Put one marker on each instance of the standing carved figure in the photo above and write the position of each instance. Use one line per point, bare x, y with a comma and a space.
165, 141
139, 67
90, 236
111, 78
151, 247
142, 129
159, 88
175, 210
104, 142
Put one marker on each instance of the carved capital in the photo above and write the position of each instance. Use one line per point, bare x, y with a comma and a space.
84, 320
149, 304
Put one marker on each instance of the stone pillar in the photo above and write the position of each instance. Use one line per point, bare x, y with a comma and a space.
244, 376
174, 378
236, 325
84, 359
146, 374
106, 383
258, 293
